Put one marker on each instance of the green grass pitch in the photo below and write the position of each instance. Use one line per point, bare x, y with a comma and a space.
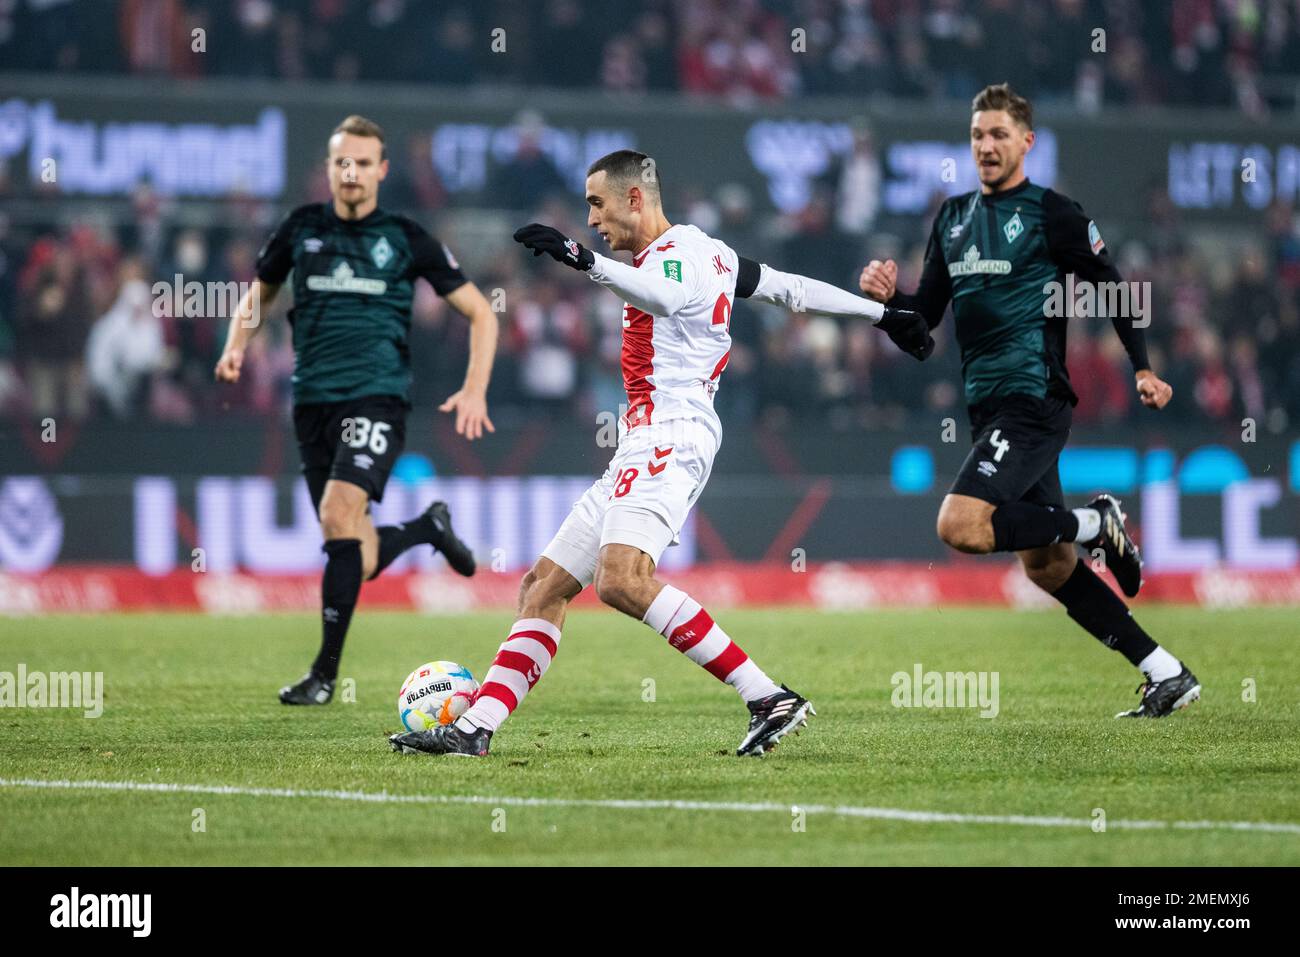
190, 700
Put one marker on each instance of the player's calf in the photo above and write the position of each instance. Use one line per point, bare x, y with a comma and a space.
527, 652
774, 709
1103, 614
433, 527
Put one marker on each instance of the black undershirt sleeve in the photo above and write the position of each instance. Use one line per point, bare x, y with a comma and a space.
747, 276
1071, 238
934, 290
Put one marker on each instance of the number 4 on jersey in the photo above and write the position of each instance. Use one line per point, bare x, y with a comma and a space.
998, 443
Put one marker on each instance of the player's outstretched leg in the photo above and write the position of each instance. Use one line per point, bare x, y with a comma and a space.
774, 710
1169, 684
522, 659
432, 527
973, 525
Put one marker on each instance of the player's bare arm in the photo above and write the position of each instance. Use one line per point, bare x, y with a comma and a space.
253, 306
469, 402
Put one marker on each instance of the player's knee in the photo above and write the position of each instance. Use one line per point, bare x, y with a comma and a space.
964, 533
613, 586
336, 520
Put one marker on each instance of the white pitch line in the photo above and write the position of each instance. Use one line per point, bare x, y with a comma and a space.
631, 804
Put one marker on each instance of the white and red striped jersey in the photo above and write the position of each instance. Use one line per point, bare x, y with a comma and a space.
672, 364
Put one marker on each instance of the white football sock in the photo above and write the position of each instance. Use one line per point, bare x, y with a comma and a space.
520, 663
1160, 665
1089, 524
690, 629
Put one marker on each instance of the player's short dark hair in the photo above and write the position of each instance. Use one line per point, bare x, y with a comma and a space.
358, 125
1000, 96
629, 168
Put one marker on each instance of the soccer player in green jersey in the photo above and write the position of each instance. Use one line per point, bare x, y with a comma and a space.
354, 267
995, 254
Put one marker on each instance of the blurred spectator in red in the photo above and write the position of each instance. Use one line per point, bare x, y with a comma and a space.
1095, 373
157, 39
54, 318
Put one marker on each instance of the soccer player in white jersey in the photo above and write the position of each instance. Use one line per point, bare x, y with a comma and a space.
678, 295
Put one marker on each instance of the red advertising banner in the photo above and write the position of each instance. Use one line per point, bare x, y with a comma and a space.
827, 587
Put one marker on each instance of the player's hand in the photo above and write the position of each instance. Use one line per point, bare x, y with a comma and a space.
879, 280
547, 239
908, 330
1154, 392
228, 365
471, 413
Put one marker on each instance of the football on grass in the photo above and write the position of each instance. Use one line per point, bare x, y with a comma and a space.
435, 693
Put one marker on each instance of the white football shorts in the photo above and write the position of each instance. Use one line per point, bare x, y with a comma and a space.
642, 500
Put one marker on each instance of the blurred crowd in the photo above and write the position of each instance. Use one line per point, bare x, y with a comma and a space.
82, 336
1230, 53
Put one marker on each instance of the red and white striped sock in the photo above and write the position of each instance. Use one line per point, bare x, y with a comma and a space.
689, 628
520, 663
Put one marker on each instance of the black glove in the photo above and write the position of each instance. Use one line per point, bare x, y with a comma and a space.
546, 239
909, 331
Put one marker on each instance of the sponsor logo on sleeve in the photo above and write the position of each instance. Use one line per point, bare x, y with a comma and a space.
1094, 238
673, 269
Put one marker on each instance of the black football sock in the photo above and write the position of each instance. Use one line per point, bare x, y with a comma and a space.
395, 539
1091, 603
1019, 525
340, 586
